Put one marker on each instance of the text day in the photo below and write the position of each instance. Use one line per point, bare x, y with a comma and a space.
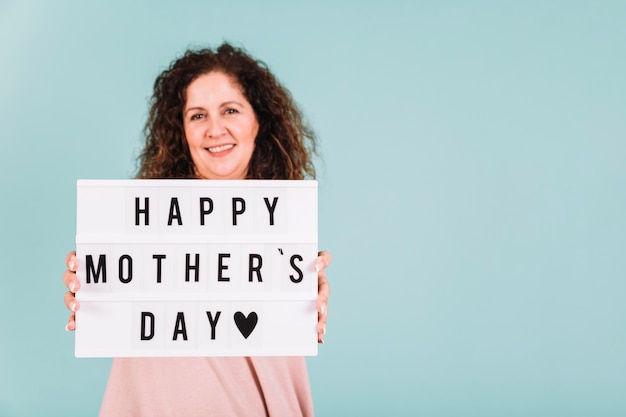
245, 324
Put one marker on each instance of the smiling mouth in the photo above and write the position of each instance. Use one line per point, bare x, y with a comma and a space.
220, 148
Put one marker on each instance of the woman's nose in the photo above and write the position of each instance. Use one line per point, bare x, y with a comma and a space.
215, 127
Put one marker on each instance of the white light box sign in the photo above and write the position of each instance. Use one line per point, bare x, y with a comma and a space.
196, 268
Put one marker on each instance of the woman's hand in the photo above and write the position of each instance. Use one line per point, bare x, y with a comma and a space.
323, 291
73, 285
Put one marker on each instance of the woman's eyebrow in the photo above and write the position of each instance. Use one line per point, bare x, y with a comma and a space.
193, 108
229, 102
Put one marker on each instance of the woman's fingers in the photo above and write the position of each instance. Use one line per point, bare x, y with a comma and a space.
71, 302
71, 281
71, 323
73, 305
70, 259
73, 284
322, 261
69, 277
323, 292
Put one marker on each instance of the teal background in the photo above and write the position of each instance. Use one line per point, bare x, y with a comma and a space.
472, 190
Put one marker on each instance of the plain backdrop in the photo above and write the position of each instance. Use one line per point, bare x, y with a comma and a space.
472, 190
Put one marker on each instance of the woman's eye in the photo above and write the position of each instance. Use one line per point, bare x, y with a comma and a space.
197, 116
230, 111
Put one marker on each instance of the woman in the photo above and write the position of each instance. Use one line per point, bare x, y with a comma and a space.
217, 115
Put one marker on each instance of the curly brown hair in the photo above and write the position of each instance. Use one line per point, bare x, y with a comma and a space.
284, 144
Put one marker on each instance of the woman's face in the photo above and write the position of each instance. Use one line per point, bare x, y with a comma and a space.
220, 127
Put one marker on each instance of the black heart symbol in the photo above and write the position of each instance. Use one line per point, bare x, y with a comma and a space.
246, 324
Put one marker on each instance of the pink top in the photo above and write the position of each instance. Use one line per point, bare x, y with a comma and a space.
225, 386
